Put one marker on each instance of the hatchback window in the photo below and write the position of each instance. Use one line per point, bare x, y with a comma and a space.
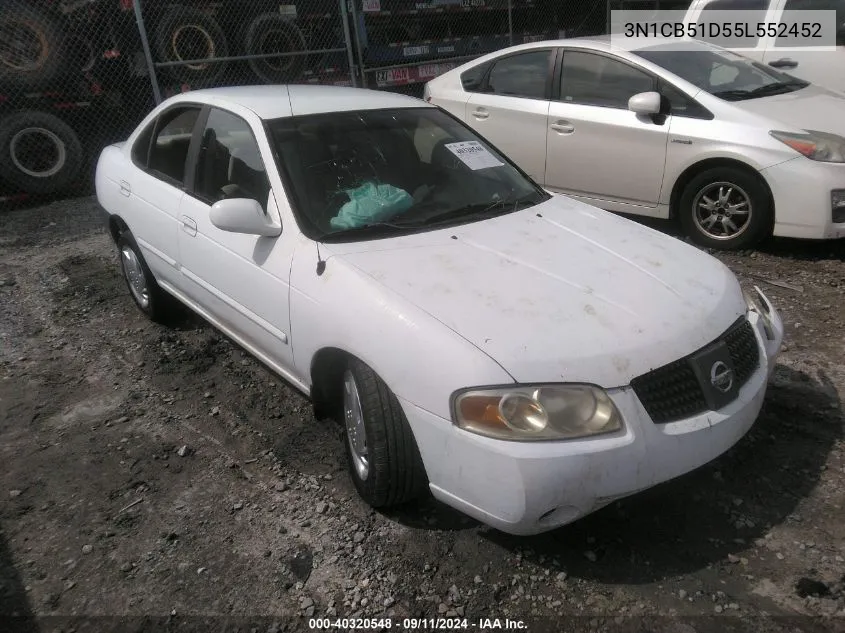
739, 5
760, 7
169, 151
590, 79
721, 73
815, 5
364, 174
230, 164
522, 75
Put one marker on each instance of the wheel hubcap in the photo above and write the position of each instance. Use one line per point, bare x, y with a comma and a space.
722, 210
356, 433
135, 276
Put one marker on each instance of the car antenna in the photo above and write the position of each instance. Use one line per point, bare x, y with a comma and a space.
321, 263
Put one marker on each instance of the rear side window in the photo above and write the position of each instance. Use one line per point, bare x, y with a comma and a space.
521, 75
170, 143
473, 78
590, 79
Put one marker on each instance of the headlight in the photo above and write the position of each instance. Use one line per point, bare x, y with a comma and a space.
544, 412
757, 303
820, 146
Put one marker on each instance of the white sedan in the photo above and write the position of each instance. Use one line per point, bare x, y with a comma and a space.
525, 357
733, 149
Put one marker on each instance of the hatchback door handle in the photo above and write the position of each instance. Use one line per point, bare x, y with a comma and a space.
189, 226
784, 63
480, 114
563, 127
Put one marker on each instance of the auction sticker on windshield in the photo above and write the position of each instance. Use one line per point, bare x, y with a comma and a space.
474, 155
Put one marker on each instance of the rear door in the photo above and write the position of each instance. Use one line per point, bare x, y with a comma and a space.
511, 107
154, 190
822, 67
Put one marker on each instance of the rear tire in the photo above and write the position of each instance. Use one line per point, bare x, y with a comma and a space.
39, 153
389, 471
726, 208
154, 302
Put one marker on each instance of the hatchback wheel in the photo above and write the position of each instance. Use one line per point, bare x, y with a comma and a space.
384, 460
726, 208
146, 293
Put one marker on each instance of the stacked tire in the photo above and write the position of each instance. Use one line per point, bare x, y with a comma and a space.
198, 41
39, 152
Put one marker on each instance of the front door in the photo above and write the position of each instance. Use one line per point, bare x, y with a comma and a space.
598, 149
241, 281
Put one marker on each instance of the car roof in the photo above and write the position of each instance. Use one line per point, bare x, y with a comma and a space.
276, 101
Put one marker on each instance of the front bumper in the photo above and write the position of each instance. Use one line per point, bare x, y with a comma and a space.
528, 488
801, 189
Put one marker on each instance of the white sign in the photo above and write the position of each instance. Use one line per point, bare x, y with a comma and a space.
288, 10
413, 51
371, 6
474, 155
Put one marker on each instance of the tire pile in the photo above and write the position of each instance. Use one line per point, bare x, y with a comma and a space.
51, 55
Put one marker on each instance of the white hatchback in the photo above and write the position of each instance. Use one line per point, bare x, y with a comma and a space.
733, 149
525, 357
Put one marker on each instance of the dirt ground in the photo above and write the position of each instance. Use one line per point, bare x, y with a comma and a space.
147, 471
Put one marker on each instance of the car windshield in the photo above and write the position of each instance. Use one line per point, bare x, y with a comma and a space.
721, 73
371, 173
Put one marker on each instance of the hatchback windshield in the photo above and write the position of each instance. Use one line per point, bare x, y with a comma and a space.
722, 73
370, 173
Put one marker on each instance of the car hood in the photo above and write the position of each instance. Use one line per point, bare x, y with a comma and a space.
560, 291
811, 108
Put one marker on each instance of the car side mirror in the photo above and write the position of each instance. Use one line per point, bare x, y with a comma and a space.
243, 215
645, 103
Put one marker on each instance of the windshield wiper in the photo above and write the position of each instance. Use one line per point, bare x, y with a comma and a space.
481, 210
374, 228
781, 87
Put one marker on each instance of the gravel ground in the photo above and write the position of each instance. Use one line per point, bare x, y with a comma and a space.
162, 472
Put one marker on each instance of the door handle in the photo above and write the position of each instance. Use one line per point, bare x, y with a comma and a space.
125, 188
188, 225
784, 63
480, 114
563, 127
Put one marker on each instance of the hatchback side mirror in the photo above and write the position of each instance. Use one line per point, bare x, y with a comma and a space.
243, 215
645, 103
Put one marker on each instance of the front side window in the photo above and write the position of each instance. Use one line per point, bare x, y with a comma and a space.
170, 143
229, 163
521, 75
590, 79
723, 74
373, 173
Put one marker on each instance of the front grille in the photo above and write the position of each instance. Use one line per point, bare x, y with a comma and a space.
673, 392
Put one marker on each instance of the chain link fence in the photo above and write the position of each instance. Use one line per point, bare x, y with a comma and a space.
76, 75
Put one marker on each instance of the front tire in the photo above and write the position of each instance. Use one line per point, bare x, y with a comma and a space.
154, 302
384, 460
726, 208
